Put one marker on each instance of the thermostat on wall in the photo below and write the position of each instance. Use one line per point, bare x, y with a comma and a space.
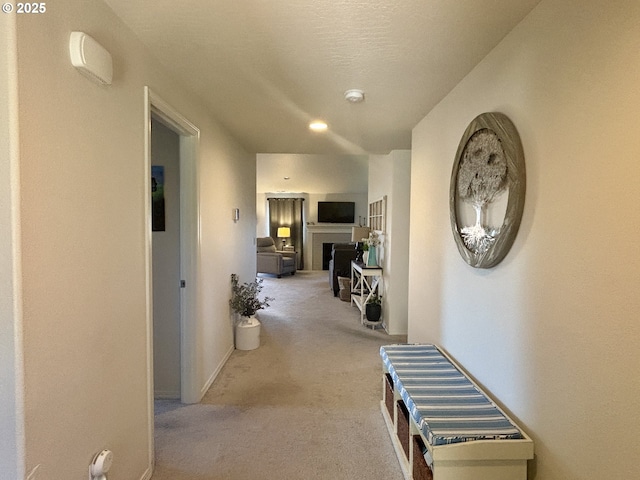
90, 58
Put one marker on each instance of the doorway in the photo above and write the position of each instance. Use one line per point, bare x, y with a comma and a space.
160, 112
165, 248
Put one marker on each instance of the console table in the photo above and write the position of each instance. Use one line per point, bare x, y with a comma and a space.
365, 283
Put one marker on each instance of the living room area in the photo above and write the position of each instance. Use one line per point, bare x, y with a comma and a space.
362, 180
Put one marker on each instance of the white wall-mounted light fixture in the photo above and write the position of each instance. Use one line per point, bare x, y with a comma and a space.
90, 58
236, 215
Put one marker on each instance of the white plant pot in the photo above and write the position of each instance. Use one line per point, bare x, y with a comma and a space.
248, 334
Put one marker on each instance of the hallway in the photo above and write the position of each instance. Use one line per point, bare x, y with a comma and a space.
305, 405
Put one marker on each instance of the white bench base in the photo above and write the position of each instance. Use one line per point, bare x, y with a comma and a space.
475, 460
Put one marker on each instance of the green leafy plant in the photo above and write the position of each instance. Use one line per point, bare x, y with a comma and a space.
244, 298
375, 300
373, 240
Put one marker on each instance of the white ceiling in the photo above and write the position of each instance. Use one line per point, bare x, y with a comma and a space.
268, 67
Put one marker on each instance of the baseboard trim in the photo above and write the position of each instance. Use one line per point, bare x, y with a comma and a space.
215, 373
164, 395
147, 474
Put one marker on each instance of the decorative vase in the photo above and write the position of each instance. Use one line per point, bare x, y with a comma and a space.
365, 256
372, 261
373, 312
248, 333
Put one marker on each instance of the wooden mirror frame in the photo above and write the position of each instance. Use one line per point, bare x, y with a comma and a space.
500, 125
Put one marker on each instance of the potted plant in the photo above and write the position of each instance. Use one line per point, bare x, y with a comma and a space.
365, 249
373, 308
245, 302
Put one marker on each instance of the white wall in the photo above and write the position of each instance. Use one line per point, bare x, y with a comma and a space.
315, 177
84, 228
11, 413
390, 175
553, 330
312, 173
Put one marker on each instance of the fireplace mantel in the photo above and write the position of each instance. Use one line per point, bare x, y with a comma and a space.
333, 228
332, 232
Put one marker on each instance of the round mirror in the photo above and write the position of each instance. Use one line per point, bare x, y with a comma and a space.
486, 195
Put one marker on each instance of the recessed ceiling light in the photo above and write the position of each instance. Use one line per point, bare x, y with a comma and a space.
318, 126
287, 178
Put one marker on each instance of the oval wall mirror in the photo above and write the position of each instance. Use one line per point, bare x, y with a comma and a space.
486, 195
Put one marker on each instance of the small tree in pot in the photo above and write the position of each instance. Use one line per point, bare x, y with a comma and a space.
373, 308
244, 298
245, 302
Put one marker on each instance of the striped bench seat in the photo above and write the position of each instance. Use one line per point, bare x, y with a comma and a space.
445, 405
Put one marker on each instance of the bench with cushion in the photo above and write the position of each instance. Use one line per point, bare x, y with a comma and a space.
444, 427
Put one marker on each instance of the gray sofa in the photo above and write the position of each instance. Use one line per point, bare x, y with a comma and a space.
272, 261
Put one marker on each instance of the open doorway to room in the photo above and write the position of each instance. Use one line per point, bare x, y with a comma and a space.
165, 240
171, 142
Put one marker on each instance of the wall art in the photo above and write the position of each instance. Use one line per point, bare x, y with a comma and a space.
486, 195
157, 198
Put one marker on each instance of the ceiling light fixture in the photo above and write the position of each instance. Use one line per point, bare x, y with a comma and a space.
318, 126
354, 95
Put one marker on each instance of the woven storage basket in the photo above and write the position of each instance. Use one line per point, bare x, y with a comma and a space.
345, 288
388, 394
421, 470
403, 427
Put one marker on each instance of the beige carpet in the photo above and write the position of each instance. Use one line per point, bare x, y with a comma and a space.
305, 405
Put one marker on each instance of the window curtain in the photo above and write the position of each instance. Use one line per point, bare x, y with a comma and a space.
287, 212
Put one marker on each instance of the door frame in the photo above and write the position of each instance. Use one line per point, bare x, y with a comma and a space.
189, 136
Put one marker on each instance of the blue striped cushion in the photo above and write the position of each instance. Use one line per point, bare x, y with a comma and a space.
445, 405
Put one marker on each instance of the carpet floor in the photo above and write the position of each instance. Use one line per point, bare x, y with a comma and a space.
305, 405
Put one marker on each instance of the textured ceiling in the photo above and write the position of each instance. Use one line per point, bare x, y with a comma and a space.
267, 67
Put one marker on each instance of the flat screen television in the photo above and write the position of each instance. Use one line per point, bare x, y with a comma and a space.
336, 212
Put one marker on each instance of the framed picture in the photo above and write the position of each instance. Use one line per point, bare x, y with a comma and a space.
157, 198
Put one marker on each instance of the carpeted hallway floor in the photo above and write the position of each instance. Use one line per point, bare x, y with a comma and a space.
305, 405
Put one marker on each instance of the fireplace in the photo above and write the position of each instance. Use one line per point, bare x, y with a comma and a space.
326, 255
318, 236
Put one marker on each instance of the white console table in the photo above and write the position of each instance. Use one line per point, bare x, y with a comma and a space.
365, 283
